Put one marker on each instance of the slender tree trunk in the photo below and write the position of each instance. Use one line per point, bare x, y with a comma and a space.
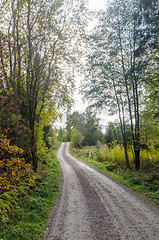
135, 136
2, 60
136, 103
29, 95
14, 57
19, 55
122, 126
33, 145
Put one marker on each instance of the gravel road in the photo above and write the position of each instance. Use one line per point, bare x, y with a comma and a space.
92, 206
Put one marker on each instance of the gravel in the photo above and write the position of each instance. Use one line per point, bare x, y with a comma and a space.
92, 206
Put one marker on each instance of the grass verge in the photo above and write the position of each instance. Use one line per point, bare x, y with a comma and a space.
27, 220
141, 182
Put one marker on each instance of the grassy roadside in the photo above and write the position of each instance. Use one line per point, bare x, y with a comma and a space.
27, 220
141, 182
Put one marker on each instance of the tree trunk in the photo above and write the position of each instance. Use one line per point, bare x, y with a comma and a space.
33, 145
126, 152
34, 153
134, 132
122, 125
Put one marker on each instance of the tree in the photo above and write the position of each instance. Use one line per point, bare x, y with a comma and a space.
115, 68
60, 133
152, 83
113, 133
92, 131
149, 130
148, 24
87, 124
75, 120
39, 58
76, 138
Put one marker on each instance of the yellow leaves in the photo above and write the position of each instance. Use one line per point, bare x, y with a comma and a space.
6, 147
13, 169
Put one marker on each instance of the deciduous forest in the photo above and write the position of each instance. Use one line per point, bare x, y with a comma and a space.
43, 45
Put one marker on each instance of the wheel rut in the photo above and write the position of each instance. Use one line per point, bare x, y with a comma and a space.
93, 206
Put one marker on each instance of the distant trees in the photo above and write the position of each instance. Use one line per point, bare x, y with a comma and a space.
83, 129
117, 63
92, 130
76, 137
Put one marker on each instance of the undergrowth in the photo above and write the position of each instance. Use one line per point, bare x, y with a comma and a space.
145, 181
27, 220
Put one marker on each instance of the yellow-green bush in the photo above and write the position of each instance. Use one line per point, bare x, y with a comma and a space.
13, 168
104, 154
150, 156
114, 153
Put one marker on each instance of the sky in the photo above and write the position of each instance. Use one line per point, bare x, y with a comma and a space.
97, 4
79, 105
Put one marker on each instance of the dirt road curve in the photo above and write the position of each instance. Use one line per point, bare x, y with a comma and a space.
92, 206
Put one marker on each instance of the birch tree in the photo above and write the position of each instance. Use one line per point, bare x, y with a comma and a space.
115, 77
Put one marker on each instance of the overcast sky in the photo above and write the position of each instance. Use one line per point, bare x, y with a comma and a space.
79, 105
97, 4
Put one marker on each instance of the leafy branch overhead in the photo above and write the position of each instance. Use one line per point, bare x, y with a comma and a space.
37, 60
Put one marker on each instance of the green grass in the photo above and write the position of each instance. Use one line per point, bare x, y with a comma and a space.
145, 182
28, 219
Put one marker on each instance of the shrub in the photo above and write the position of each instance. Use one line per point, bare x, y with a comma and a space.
13, 168
104, 154
76, 138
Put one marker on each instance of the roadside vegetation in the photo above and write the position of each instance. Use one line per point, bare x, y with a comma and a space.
25, 209
38, 66
110, 160
122, 77
37, 62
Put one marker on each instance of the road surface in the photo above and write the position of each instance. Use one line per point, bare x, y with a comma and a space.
92, 206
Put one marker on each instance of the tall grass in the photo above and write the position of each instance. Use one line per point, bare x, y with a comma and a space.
111, 161
114, 153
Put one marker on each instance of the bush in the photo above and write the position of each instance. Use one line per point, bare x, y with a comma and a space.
76, 138
13, 168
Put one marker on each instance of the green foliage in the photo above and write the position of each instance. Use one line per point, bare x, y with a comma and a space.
13, 168
92, 131
113, 154
27, 220
152, 82
37, 78
66, 137
87, 125
149, 129
145, 181
75, 120
113, 133
76, 138
119, 57
60, 134
8, 201
49, 136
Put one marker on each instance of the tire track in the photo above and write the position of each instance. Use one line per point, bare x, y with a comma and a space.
93, 206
